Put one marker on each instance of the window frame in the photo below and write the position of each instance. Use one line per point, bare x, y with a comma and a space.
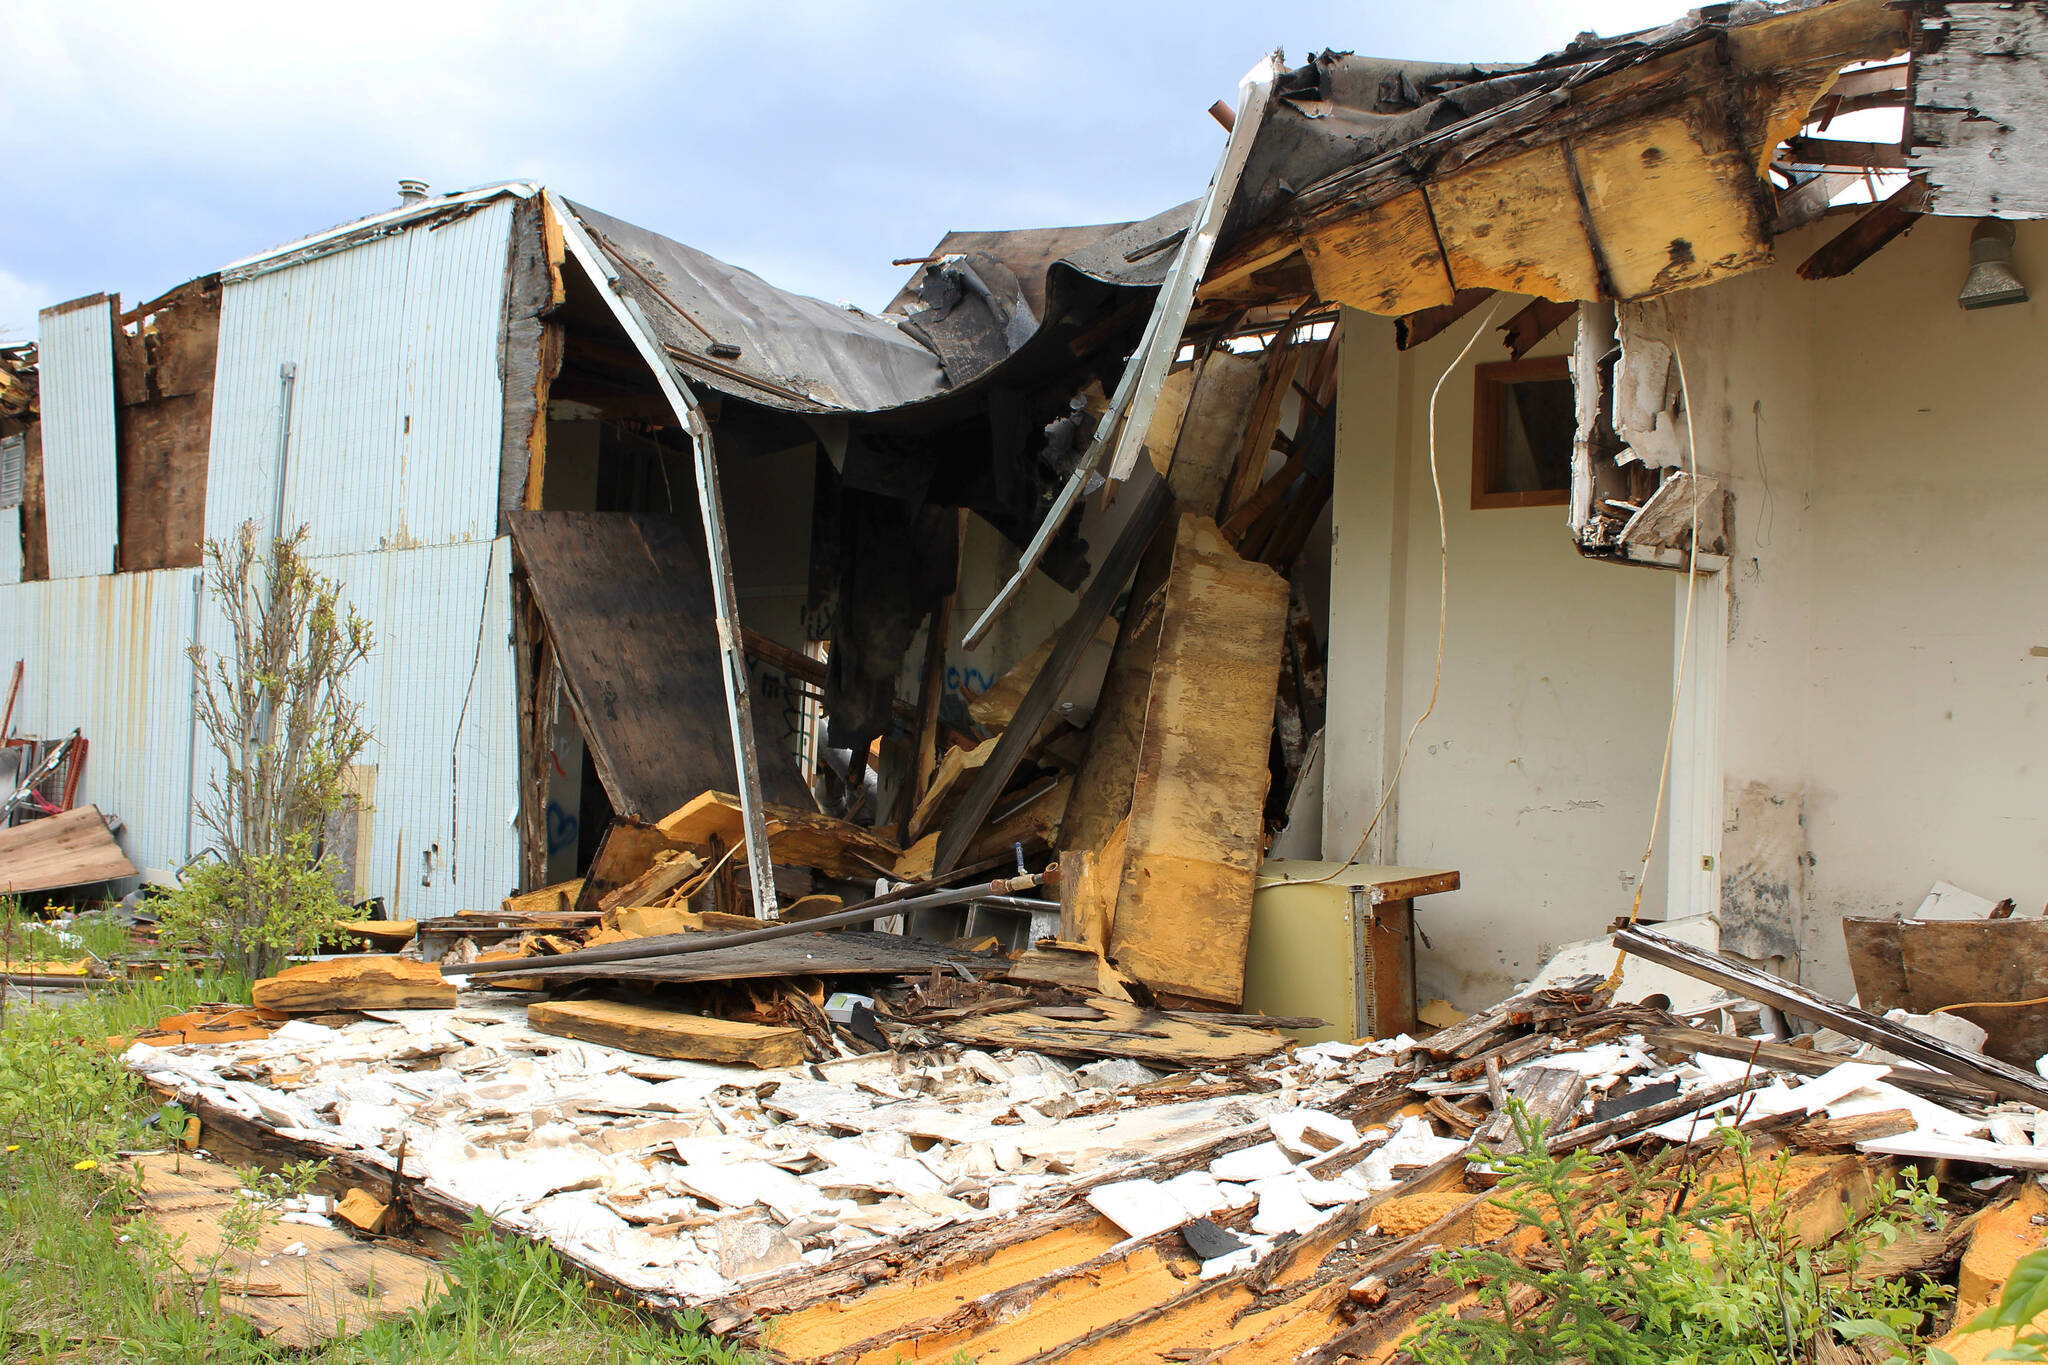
1490, 382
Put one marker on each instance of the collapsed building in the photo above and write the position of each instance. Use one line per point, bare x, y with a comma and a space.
1497, 473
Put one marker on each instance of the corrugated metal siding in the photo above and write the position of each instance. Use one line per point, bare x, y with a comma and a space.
10, 545
77, 385
397, 405
106, 654
440, 696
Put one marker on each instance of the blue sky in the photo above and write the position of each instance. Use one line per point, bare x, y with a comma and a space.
809, 142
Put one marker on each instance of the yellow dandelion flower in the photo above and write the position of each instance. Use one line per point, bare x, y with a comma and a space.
86, 1165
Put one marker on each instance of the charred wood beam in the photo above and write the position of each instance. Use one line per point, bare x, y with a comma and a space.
1536, 321
1417, 328
1830, 151
1868, 235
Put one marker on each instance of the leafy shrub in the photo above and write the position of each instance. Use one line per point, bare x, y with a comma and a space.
276, 709
1662, 1262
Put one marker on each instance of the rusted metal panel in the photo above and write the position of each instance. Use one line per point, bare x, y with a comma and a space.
105, 655
397, 407
439, 697
77, 360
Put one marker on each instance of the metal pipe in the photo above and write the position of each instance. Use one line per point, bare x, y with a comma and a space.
677, 945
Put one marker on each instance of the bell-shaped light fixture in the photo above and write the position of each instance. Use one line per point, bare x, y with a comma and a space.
1992, 280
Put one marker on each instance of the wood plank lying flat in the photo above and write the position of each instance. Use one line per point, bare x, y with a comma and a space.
1124, 1030
339, 1286
1183, 910
72, 849
1861, 1025
668, 1033
355, 983
847, 953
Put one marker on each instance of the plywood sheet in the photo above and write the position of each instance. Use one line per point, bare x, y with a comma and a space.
1672, 201
1183, 911
1384, 259
72, 849
335, 1285
627, 602
1515, 225
844, 953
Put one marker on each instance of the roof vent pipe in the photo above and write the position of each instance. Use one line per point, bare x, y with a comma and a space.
1992, 280
411, 192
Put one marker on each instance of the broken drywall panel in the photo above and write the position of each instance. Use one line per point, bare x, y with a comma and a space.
79, 476
1764, 860
1648, 404
1980, 111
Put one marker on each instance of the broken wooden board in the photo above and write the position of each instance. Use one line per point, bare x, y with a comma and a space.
1210, 443
1183, 909
216, 1023
558, 899
1796, 1000
940, 797
355, 983
625, 599
1980, 115
332, 1285
668, 1033
839, 953
1033, 825
995, 707
837, 848
670, 870
1119, 1029
627, 850
1924, 965
385, 935
1385, 258
72, 849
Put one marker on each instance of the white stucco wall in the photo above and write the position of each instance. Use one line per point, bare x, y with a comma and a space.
1888, 571
1536, 775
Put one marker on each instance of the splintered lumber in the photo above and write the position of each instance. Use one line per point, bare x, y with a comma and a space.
72, 849
899, 901
837, 848
1805, 1062
559, 898
1184, 908
1084, 904
1202, 457
387, 934
332, 1285
847, 954
627, 849
1797, 1000
669, 1033
995, 707
671, 869
1621, 1127
1121, 1029
958, 835
1550, 1096
1029, 822
355, 983
940, 796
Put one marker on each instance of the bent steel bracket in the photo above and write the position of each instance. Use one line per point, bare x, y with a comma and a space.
683, 402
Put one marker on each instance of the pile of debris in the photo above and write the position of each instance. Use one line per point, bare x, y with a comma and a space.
996, 1200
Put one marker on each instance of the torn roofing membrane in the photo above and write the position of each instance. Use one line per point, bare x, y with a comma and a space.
964, 315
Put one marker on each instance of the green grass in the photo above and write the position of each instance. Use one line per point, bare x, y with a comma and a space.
76, 1284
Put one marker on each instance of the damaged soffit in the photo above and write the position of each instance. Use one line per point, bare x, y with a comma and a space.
1618, 168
